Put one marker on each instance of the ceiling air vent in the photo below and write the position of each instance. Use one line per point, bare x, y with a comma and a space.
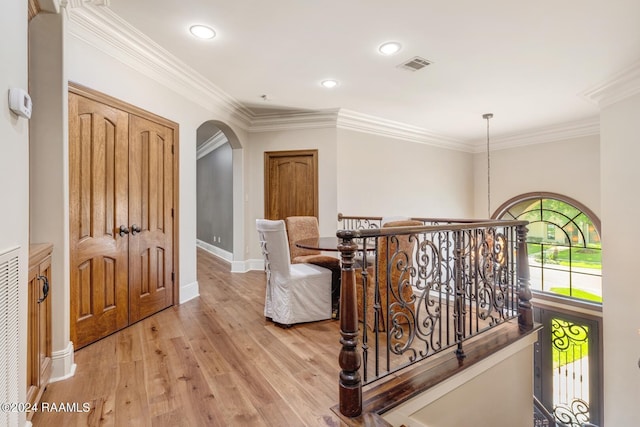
414, 64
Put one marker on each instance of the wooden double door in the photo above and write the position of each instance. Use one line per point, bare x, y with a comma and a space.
121, 214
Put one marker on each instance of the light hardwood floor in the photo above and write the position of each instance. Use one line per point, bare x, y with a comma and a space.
213, 361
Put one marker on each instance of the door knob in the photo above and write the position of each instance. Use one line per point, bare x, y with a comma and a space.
135, 229
123, 230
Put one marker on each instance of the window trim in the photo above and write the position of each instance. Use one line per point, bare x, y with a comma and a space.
503, 208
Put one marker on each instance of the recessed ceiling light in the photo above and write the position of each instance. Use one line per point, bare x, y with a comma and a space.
389, 48
202, 31
329, 84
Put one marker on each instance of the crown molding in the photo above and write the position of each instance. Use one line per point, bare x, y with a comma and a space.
107, 32
569, 130
352, 120
621, 85
50, 6
69, 4
80, 3
104, 30
216, 141
294, 120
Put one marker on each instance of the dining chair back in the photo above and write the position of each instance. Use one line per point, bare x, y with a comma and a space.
298, 228
388, 282
387, 219
295, 293
395, 258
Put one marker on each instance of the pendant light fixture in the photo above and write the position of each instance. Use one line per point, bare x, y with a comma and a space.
488, 116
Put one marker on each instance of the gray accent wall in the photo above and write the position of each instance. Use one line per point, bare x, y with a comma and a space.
215, 198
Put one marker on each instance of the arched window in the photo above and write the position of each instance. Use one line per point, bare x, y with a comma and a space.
565, 254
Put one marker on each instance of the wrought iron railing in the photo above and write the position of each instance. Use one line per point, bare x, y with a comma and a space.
409, 293
542, 417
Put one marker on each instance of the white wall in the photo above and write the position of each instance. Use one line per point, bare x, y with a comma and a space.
322, 139
481, 395
48, 190
620, 154
365, 174
14, 159
569, 167
381, 176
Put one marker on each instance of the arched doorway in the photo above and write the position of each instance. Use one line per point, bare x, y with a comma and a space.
220, 208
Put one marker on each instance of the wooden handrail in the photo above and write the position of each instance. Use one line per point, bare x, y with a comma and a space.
380, 232
342, 217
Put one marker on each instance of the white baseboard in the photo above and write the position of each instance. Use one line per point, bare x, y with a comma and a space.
256, 264
236, 266
62, 364
239, 267
189, 292
248, 265
214, 250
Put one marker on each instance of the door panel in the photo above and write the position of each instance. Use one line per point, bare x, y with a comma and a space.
291, 184
150, 203
98, 165
568, 366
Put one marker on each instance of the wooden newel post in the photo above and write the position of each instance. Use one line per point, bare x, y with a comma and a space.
349, 359
525, 313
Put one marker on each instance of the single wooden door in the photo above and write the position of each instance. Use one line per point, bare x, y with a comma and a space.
150, 216
291, 184
98, 207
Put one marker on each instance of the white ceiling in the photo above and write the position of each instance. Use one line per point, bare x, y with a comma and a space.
527, 62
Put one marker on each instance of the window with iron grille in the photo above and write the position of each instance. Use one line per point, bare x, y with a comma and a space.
565, 253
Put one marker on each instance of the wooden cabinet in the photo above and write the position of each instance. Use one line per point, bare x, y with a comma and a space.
39, 322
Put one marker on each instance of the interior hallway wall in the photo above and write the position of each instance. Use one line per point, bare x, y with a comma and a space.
215, 198
570, 167
620, 151
14, 164
383, 176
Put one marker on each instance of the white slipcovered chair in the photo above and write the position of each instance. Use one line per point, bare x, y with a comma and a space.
295, 293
